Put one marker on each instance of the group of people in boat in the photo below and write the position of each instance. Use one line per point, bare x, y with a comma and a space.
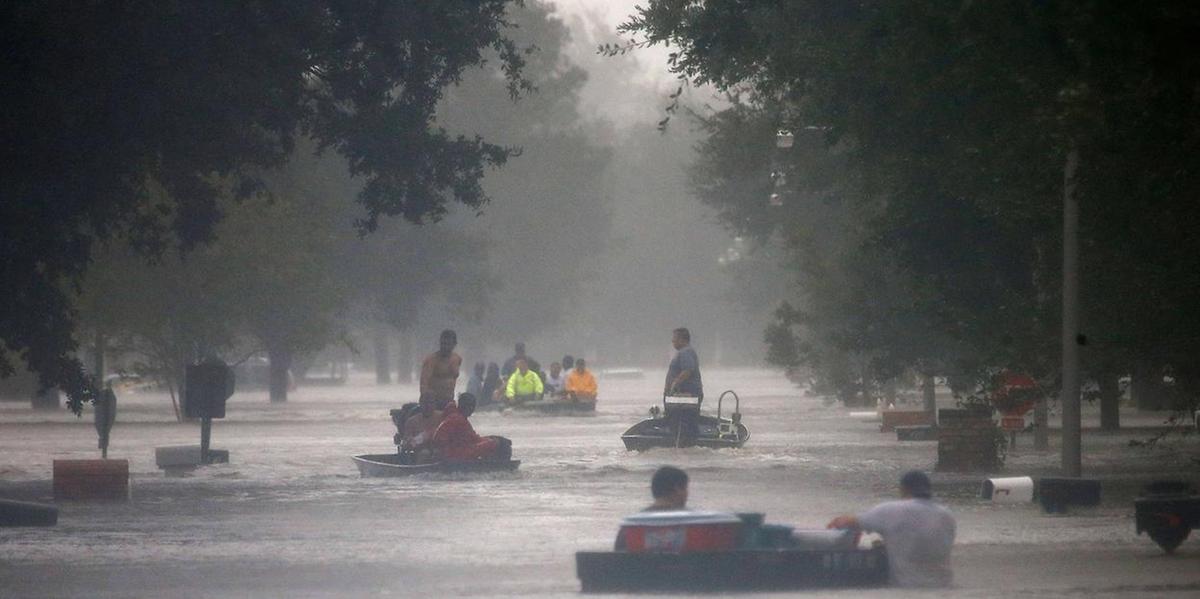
438, 426
918, 532
522, 379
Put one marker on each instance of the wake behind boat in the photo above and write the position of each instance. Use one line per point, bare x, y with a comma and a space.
391, 464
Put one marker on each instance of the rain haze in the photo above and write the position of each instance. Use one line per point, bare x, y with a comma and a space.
542, 298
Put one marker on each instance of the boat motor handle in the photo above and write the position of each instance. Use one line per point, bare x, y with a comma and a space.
737, 403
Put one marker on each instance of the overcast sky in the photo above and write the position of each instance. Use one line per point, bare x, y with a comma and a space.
624, 89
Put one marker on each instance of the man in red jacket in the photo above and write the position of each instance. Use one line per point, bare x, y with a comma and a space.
457, 441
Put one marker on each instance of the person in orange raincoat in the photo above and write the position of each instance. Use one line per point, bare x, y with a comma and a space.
581, 385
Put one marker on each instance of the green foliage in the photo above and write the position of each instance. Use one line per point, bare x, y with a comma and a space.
924, 223
117, 101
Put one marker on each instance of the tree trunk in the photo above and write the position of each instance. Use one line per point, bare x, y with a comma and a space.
404, 362
1041, 424
98, 367
1146, 387
45, 400
1110, 402
383, 367
929, 393
281, 362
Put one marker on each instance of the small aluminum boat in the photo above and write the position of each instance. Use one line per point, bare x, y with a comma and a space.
556, 406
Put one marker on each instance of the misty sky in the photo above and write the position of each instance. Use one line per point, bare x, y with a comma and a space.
593, 22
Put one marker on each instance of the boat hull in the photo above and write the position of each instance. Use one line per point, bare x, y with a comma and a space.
666, 432
388, 465
740, 570
564, 406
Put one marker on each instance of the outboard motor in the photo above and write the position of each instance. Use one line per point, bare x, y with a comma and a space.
399, 416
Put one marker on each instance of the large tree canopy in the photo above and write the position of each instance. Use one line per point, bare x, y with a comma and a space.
108, 102
946, 127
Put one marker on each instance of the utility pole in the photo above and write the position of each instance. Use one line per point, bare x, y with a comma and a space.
1072, 442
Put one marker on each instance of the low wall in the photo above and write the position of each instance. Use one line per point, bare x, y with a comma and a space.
890, 419
83, 480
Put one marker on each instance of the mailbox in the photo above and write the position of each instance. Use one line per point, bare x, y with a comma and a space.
206, 387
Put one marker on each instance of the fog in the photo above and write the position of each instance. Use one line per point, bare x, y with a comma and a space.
943, 252
599, 246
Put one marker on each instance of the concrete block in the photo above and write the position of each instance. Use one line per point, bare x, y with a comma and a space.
186, 457
23, 513
892, 418
916, 433
1056, 494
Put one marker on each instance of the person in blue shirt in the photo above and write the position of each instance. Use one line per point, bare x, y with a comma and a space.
683, 375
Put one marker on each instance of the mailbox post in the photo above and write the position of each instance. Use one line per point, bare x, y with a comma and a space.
106, 415
207, 386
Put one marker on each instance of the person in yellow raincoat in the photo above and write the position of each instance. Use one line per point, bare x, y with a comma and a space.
524, 384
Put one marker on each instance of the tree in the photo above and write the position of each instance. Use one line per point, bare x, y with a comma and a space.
117, 100
552, 209
953, 122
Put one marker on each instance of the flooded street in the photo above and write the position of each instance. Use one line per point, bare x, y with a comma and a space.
290, 515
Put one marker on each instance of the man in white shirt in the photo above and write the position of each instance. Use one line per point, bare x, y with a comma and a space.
917, 532
555, 381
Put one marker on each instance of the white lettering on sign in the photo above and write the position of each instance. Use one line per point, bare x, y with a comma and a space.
665, 538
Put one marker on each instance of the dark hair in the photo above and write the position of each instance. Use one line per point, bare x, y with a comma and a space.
915, 483
580, 362
683, 334
449, 334
479, 367
666, 480
519, 348
466, 402
568, 361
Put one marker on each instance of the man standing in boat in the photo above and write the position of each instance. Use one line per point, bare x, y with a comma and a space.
510, 365
439, 371
683, 375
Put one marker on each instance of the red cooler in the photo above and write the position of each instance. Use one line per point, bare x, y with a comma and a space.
680, 532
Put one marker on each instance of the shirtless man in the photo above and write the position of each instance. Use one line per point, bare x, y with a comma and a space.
439, 372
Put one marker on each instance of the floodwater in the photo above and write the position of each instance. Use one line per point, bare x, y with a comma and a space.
290, 516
